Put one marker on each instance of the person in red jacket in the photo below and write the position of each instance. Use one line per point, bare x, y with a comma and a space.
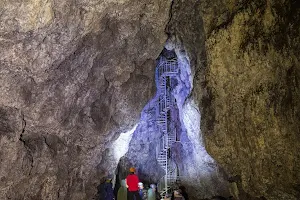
132, 182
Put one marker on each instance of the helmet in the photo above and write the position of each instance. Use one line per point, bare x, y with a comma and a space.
132, 169
140, 184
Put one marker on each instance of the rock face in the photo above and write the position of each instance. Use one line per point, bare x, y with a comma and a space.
73, 75
247, 85
195, 168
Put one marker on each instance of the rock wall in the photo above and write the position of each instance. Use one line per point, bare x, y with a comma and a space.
73, 75
197, 170
246, 58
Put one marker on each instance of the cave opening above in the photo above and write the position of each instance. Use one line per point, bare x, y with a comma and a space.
166, 146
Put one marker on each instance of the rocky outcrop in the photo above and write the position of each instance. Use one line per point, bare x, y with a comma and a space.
247, 85
189, 164
73, 76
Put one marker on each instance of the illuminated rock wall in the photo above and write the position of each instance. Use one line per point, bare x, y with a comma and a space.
199, 172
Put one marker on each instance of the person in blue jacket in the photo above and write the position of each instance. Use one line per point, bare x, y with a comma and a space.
108, 188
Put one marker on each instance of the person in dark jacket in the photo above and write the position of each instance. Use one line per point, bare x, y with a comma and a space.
101, 191
109, 192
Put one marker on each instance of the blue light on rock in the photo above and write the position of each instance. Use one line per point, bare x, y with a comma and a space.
121, 145
195, 168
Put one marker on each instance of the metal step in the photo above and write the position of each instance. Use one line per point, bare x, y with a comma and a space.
165, 68
161, 158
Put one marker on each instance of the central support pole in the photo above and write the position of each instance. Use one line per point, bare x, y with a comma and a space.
167, 68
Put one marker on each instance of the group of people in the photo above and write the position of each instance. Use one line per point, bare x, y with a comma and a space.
135, 189
132, 189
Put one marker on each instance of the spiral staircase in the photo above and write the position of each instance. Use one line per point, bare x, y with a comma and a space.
165, 70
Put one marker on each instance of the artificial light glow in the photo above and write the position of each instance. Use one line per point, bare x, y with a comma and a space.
121, 145
191, 120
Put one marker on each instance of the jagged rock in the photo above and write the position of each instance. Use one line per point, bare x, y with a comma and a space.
247, 86
73, 75
72, 71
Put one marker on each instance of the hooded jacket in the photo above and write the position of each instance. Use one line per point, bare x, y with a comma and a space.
122, 192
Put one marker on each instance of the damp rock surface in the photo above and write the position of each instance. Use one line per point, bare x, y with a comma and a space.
247, 86
73, 75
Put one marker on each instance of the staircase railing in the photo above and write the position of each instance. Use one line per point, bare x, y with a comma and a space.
166, 69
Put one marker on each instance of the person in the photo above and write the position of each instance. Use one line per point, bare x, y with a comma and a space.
183, 192
109, 192
153, 194
177, 195
101, 190
142, 191
122, 192
132, 181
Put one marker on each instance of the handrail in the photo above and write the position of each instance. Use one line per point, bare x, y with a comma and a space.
165, 67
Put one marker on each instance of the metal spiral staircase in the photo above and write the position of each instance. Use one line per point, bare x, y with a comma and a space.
165, 70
